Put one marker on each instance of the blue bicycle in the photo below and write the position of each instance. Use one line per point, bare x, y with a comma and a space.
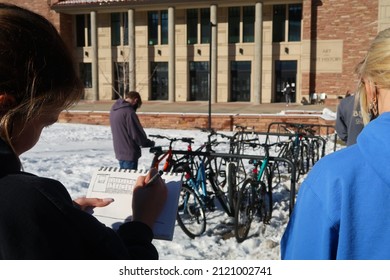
199, 191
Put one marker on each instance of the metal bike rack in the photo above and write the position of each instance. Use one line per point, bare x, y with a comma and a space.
273, 159
255, 157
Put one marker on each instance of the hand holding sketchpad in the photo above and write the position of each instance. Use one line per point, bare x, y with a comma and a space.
118, 184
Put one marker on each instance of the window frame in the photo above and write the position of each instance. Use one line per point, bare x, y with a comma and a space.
83, 30
158, 27
287, 23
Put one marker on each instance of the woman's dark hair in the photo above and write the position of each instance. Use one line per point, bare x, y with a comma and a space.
36, 68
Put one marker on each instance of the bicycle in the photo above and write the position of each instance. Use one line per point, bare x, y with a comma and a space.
172, 162
305, 150
255, 195
200, 189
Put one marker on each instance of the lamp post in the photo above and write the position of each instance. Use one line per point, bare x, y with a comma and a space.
210, 67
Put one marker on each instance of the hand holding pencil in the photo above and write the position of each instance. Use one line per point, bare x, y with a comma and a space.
149, 196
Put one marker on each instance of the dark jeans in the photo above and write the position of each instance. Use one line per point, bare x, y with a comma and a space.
125, 164
288, 98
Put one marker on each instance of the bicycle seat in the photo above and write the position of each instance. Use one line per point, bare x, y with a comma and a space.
189, 140
156, 150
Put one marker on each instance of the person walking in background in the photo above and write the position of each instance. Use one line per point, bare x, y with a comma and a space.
341, 209
127, 132
38, 218
287, 94
349, 122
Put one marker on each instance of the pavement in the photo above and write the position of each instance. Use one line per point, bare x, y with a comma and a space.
203, 107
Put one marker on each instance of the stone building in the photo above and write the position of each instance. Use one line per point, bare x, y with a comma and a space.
225, 50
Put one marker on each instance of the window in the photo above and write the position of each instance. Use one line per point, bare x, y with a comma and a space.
282, 14
199, 81
121, 79
86, 74
119, 29
294, 22
83, 30
153, 28
193, 21
157, 20
246, 30
205, 26
279, 23
240, 81
159, 80
248, 24
234, 25
164, 27
192, 26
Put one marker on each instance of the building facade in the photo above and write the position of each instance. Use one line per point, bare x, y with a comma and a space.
222, 50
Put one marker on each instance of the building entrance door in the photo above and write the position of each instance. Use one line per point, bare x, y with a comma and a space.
159, 80
285, 73
199, 81
240, 81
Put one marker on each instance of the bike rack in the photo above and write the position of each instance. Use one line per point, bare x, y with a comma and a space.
273, 159
289, 135
329, 129
255, 157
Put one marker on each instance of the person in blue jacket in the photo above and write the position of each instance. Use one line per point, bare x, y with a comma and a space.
341, 210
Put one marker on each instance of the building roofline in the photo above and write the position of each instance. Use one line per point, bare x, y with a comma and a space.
79, 6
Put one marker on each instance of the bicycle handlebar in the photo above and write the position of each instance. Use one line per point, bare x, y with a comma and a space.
188, 140
300, 128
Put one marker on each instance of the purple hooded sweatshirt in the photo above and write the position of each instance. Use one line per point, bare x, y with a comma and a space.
127, 132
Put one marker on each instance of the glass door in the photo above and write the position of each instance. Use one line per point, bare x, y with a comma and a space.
285, 74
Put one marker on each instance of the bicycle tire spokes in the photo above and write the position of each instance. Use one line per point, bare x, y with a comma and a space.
244, 210
191, 215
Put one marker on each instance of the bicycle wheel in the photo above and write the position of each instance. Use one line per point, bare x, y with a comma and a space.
244, 210
191, 215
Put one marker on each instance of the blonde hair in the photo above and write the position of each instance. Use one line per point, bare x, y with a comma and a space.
375, 69
36, 69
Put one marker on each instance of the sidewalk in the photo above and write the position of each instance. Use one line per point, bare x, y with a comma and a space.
231, 108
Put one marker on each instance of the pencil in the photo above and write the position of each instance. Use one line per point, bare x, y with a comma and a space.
153, 179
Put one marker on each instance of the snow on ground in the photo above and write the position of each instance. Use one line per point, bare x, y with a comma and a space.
70, 152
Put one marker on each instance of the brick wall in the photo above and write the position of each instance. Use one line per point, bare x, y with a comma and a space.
42, 7
355, 22
192, 121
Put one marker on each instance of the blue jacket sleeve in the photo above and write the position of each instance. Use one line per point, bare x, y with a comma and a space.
310, 233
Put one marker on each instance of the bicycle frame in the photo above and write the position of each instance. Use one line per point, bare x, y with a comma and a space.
199, 185
168, 155
159, 156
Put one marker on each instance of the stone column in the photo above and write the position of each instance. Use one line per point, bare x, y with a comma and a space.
213, 53
172, 56
257, 96
131, 50
95, 60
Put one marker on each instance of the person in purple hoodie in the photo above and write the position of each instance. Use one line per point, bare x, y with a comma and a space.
127, 132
